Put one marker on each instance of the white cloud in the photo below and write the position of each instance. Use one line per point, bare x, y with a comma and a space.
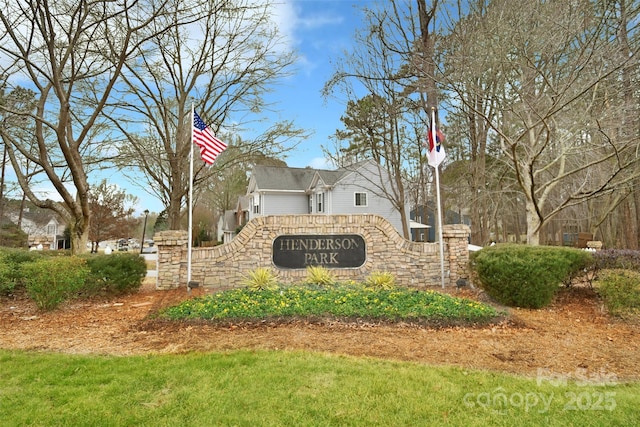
321, 163
295, 26
285, 17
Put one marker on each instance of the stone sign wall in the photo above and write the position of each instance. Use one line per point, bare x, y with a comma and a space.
350, 246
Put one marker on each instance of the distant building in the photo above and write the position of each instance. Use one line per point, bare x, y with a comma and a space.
426, 217
42, 226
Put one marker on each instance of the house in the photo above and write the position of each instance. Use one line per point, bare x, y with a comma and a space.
359, 188
42, 226
232, 220
424, 218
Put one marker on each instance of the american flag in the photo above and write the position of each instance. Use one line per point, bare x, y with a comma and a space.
203, 136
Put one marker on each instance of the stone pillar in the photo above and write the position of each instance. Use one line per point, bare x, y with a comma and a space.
172, 256
456, 239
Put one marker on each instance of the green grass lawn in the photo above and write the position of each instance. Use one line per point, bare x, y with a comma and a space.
279, 388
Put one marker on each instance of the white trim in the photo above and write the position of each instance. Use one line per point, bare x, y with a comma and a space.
415, 224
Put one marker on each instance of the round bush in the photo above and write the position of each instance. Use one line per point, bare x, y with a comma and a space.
115, 274
526, 276
620, 290
11, 275
51, 281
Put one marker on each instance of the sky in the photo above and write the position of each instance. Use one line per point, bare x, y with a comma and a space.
320, 31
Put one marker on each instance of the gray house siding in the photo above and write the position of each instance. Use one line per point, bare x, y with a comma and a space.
284, 204
365, 180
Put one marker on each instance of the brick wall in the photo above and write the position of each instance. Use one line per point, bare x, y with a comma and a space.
412, 263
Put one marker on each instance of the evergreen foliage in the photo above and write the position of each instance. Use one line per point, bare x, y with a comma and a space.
526, 276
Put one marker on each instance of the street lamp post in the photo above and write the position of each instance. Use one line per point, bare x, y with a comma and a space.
144, 228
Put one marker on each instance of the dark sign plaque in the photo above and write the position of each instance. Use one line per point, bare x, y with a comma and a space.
326, 250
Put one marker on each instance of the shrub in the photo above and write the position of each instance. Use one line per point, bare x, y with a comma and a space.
318, 275
51, 281
11, 236
11, 275
115, 274
526, 276
7, 285
380, 280
617, 259
620, 290
261, 279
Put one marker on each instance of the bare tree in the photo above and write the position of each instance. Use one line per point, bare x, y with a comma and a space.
21, 100
378, 81
224, 62
71, 54
559, 101
469, 72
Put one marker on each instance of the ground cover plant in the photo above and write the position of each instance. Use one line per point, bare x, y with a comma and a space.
280, 388
348, 301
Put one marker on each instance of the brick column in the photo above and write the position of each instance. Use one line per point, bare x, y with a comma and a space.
456, 238
172, 255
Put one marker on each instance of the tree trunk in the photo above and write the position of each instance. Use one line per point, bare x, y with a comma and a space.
533, 225
636, 203
2, 173
80, 236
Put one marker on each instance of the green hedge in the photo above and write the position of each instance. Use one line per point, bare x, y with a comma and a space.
620, 290
115, 274
11, 261
526, 276
51, 277
51, 281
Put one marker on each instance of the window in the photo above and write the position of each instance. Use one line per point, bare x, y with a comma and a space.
256, 205
361, 199
51, 229
320, 202
310, 203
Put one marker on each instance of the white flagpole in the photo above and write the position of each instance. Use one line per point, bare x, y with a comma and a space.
433, 136
190, 237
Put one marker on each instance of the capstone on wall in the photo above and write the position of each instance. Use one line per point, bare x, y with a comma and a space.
414, 264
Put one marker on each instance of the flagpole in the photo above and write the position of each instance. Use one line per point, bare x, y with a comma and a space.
190, 227
433, 136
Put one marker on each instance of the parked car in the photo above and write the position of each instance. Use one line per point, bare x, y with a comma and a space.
123, 245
